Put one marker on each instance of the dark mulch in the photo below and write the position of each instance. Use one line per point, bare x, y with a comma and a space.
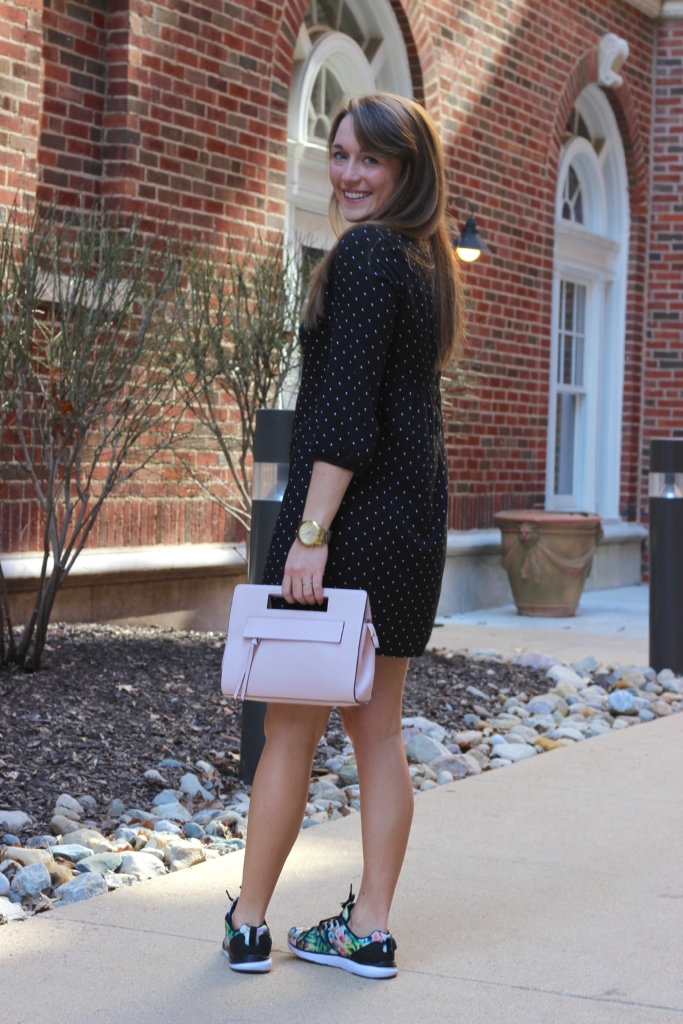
111, 702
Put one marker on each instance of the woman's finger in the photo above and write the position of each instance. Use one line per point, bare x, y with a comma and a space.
298, 590
287, 588
317, 589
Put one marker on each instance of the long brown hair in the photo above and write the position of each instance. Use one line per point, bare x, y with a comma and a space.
391, 125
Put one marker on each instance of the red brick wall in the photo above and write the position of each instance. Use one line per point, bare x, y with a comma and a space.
180, 110
663, 376
20, 91
509, 85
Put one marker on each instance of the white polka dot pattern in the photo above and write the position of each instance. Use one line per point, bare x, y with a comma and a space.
370, 402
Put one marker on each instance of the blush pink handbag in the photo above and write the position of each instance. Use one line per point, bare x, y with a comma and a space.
299, 654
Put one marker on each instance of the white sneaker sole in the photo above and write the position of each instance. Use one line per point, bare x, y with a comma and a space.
253, 967
332, 960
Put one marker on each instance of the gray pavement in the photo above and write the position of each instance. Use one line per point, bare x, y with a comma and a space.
548, 891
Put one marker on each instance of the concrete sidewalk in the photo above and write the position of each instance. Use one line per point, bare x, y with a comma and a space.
612, 625
550, 891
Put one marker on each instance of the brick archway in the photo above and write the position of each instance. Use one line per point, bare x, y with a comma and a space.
423, 70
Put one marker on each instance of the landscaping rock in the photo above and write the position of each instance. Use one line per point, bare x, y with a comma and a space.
142, 866
533, 659
100, 863
28, 856
181, 854
175, 812
71, 851
452, 763
545, 743
424, 748
65, 803
116, 808
622, 702
348, 773
81, 887
85, 837
60, 874
513, 751
63, 826
191, 785
10, 912
14, 821
660, 708
31, 881
4, 884
540, 706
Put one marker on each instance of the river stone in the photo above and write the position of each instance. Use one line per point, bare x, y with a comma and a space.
540, 706
63, 826
4, 884
674, 685
164, 825
13, 821
621, 702
660, 708
479, 756
568, 732
425, 725
118, 881
60, 874
30, 856
545, 743
10, 911
526, 733
31, 881
81, 887
100, 862
193, 830
646, 715
468, 739
71, 851
68, 804
564, 674
181, 854
175, 812
425, 749
116, 808
444, 777
142, 865
534, 659
452, 763
85, 837
513, 751
348, 773
588, 664
634, 677
190, 784
598, 726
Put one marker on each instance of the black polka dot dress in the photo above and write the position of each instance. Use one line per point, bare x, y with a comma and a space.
370, 402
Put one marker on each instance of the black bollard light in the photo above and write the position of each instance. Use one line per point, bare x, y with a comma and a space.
666, 554
271, 468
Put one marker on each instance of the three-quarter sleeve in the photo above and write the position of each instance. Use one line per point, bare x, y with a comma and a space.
362, 314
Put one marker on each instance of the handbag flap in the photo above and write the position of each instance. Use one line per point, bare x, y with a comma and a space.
294, 627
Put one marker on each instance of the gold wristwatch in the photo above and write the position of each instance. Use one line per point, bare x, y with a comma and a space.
311, 533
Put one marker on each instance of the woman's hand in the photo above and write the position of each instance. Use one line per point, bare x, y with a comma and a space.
303, 579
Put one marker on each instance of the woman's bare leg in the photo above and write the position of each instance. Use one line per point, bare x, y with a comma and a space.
386, 793
278, 802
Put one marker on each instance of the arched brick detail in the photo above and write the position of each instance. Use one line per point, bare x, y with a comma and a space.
621, 101
423, 68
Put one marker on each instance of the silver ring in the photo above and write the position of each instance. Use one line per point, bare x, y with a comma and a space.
308, 584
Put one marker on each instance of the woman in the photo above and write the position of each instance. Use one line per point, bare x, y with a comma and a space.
368, 464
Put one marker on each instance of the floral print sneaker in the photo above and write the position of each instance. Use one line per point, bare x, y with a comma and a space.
331, 942
247, 948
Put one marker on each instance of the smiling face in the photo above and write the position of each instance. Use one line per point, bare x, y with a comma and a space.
363, 182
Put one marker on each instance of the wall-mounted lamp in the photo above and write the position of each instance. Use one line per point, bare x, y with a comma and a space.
468, 244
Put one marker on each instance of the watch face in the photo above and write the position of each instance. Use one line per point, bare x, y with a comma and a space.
308, 533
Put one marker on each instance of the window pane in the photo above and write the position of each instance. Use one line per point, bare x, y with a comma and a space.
568, 312
565, 431
567, 361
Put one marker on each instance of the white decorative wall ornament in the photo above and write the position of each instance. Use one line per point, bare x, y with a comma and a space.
612, 54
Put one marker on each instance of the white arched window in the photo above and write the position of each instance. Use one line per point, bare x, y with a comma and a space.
588, 317
344, 48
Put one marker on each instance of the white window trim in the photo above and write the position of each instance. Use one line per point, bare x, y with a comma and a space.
594, 254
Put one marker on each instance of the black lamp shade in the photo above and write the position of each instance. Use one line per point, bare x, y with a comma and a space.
469, 237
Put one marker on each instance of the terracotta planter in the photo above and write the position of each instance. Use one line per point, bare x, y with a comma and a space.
548, 556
